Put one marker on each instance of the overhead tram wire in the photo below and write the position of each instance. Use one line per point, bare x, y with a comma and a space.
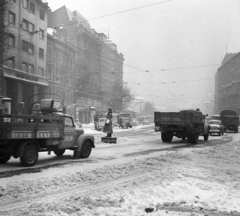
137, 83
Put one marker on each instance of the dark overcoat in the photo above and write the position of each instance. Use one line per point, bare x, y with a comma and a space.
108, 127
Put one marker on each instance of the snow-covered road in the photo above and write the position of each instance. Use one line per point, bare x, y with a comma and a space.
136, 175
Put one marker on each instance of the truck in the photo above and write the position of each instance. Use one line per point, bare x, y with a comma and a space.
188, 124
230, 120
44, 129
124, 120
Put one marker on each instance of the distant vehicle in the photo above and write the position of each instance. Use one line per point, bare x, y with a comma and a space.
230, 120
146, 122
216, 126
100, 124
216, 117
124, 120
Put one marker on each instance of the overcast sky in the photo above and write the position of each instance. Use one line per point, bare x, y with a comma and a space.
179, 43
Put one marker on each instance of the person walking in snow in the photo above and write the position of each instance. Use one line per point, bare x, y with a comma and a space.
108, 124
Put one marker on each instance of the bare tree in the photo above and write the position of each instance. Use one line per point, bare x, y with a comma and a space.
148, 109
121, 97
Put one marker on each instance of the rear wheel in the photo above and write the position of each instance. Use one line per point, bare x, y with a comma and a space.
30, 155
86, 149
59, 152
4, 158
193, 138
166, 137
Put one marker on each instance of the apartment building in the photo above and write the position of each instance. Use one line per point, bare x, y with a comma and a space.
24, 55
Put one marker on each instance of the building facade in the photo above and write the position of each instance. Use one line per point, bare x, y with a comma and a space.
227, 79
24, 72
98, 65
58, 55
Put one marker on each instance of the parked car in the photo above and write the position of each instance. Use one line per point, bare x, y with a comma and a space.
100, 124
216, 126
146, 122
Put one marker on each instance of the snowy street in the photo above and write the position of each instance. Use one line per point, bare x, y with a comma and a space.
138, 174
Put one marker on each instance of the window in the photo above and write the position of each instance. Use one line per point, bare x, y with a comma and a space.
11, 63
41, 53
11, 18
11, 40
31, 48
31, 69
49, 54
25, 3
42, 14
41, 34
41, 72
28, 26
24, 67
25, 24
31, 28
25, 46
32, 7
28, 47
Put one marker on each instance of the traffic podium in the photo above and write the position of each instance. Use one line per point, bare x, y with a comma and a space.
109, 139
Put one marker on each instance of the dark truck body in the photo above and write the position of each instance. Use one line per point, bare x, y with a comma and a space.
184, 124
24, 136
230, 120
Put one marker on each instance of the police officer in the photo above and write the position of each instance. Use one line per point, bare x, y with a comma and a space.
108, 124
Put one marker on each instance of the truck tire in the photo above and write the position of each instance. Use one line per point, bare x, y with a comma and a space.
193, 138
205, 136
4, 158
86, 149
166, 137
30, 155
59, 152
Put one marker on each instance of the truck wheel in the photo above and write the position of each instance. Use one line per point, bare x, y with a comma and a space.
169, 137
164, 137
59, 152
193, 138
30, 155
86, 149
4, 158
206, 136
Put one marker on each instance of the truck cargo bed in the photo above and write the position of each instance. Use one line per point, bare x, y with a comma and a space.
178, 118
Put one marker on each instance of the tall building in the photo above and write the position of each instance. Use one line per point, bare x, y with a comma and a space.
97, 62
24, 54
227, 79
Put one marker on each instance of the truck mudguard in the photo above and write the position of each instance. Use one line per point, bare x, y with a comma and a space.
82, 138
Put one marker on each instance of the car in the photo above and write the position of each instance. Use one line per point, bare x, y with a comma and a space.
215, 126
100, 124
146, 122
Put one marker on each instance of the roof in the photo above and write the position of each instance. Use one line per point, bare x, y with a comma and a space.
227, 57
64, 11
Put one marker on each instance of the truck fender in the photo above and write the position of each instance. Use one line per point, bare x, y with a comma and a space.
82, 138
22, 145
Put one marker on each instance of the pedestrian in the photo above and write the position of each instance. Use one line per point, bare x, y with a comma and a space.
108, 124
